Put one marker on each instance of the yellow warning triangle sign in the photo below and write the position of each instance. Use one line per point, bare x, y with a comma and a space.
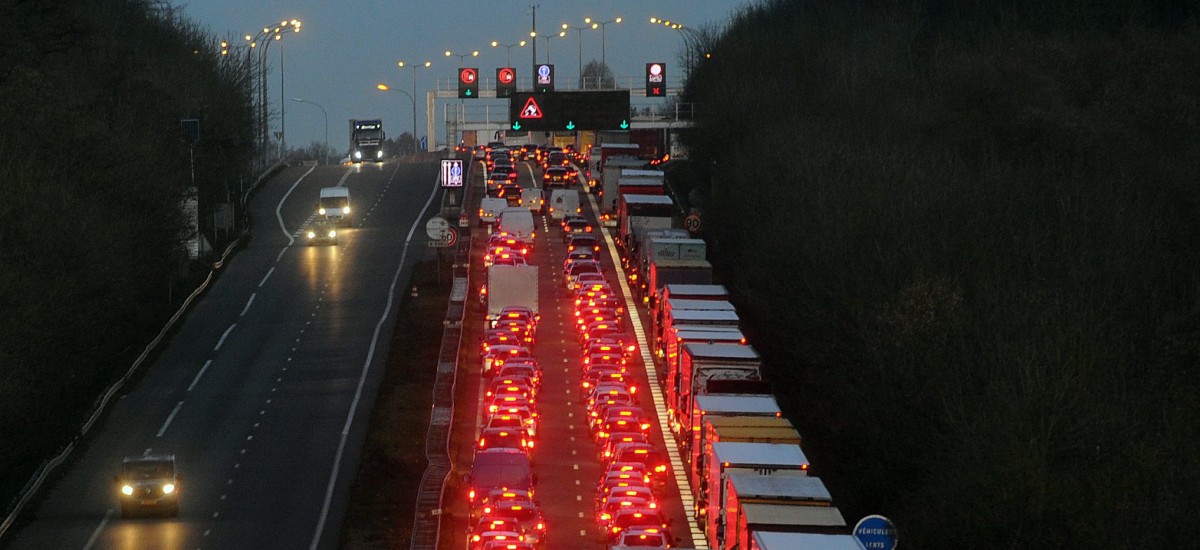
531, 109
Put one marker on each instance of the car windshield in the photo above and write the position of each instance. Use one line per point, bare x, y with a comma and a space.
334, 202
148, 470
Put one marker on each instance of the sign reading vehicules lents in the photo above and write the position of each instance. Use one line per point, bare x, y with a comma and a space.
569, 111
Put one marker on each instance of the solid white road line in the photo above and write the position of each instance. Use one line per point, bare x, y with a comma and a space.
223, 336
199, 374
279, 215
362, 379
170, 417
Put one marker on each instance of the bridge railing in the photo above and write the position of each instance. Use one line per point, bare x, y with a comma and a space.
472, 113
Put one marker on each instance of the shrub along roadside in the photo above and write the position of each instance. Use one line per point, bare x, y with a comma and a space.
383, 498
966, 242
94, 167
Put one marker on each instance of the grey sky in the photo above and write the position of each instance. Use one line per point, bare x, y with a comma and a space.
346, 47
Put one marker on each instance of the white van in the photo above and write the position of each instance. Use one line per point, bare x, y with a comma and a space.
534, 199
490, 208
518, 222
563, 203
334, 205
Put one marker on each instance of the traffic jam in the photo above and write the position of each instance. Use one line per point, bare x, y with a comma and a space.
588, 359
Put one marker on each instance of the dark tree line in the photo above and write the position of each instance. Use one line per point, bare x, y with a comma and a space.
94, 167
966, 237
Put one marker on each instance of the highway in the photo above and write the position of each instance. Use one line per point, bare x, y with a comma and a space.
566, 460
264, 390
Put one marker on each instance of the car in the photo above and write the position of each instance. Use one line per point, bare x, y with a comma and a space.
579, 268
515, 417
486, 524
650, 538
614, 503
479, 153
497, 355
519, 368
583, 240
494, 183
504, 438
510, 259
515, 385
148, 482
510, 189
525, 512
508, 545
585, 279
478, 542
322, 231
628, 518
520, 312
555, 176
620, 438
575, 226
655, 460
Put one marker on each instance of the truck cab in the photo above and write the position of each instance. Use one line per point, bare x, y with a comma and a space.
149, 482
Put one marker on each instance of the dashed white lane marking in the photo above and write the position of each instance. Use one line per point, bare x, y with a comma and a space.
170, 417
99, 528
337, 461
248, 302
265, 277
199, 374
223, 336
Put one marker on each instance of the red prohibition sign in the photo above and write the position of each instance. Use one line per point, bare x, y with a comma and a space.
506, 75
467, 75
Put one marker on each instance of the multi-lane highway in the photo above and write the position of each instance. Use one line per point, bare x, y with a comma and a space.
263, 392
567, 462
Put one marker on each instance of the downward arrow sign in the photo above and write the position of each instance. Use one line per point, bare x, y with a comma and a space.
624, 124
517, 125
570, 124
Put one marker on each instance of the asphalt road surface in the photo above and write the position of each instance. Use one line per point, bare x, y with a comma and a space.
264, 391
566, 461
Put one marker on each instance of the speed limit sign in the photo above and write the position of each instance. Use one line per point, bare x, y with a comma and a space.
692, 223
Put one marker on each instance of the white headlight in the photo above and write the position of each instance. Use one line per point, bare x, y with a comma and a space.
321, 211
358, 154
332, 233
127, 490
345, 209
168, 488
311, 234
379, 154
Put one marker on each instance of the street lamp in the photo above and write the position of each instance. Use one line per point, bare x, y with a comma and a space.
561, 34
603, 25
509, 47
579, 33
325, 153
413, 97
265, 37
693, 42
387, 88
462, 56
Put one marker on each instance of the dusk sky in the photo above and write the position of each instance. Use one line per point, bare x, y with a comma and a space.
347, 47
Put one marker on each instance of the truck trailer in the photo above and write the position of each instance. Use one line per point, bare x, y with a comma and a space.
773, 503
726, 459
703, 367
511, 285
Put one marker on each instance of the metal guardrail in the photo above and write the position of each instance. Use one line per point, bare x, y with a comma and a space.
427, 521
39, 477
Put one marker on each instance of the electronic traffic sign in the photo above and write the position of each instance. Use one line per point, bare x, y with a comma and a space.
569, 111
543, 78
656, 79
468, 82
506, 81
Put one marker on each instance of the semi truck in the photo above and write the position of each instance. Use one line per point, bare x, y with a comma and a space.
773, 503
366, 140
698, 292
605, 187
725, 459
736, 418
668, 351
707, 369
649, 211
674, 305
695, 319
666, 272
511, 285
768, 540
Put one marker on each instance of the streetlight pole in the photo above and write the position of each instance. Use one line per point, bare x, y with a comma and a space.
509, 47
693, 42
413, 97
603, 27
387, 88
325, 153
579, 33
561, 34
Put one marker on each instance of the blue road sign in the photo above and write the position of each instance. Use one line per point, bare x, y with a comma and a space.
875, 533
424, 143
452, 173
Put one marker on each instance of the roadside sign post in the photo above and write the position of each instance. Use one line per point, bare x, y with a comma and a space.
876, 533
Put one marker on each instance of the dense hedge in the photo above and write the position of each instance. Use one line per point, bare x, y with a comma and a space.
966, 236
93, 167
